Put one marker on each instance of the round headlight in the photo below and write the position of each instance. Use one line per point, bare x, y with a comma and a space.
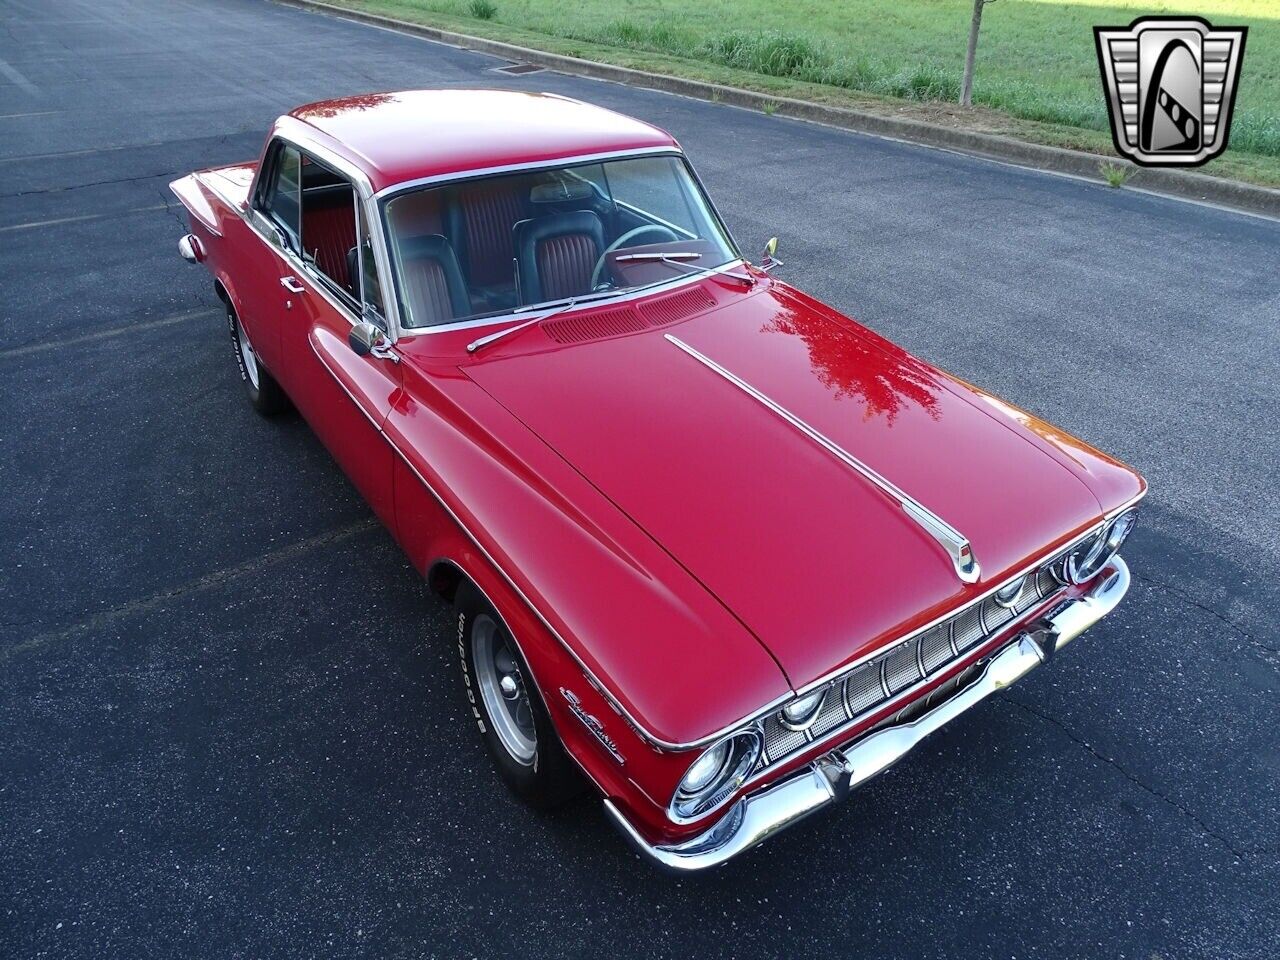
1007, 596
706, 768
711, 779
1086, 560
801, 712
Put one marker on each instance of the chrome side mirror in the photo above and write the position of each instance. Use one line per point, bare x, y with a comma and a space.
770, 261
368, 340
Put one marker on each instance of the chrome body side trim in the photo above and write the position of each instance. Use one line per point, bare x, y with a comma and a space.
952, 540
833, 776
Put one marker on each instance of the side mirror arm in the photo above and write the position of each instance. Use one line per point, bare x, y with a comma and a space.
769, 261
368, 340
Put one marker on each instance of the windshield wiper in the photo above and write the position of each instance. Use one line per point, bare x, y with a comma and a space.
664, 256
552, 308
672, 258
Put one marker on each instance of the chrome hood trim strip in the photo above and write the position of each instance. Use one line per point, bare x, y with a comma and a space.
956, 545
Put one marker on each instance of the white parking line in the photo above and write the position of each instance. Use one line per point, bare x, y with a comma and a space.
12, 73
218, 579
109, 332
88, 216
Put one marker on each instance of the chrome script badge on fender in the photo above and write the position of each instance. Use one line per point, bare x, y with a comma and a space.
1170, 84
593, 724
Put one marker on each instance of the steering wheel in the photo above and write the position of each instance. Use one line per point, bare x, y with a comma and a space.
667, 234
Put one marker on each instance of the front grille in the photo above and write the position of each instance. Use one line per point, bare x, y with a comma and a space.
907, 664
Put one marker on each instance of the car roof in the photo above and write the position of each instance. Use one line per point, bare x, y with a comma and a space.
403, 136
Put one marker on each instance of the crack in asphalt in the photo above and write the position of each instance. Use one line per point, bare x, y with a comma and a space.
210, 580
1238, 852
92, 183
1179, 595
173, 207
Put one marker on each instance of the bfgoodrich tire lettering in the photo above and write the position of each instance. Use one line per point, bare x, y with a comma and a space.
524, 745
265, 395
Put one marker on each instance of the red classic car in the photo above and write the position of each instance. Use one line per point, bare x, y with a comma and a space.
713, 547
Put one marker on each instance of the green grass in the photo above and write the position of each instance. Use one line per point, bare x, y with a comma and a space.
1037, 75
1114, 174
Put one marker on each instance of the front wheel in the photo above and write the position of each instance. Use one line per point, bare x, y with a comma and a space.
507, 707
265, 394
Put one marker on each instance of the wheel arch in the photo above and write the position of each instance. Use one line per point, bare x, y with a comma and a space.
542, 655
225, 289
444, 577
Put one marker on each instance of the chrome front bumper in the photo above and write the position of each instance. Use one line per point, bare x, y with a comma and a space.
830, 778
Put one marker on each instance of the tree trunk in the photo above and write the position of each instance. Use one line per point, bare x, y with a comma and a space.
966, 85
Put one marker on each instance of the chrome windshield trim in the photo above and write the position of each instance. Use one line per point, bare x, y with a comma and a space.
550, 163
957, 546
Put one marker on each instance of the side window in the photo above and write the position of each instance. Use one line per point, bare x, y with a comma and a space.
329, 227
282, 199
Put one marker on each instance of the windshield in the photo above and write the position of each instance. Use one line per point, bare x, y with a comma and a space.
491, 246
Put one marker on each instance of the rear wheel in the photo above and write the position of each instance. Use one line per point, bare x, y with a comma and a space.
264, 393
507, 707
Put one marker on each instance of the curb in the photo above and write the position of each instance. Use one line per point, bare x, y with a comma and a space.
1176, 183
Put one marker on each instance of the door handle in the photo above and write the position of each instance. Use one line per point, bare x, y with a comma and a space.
292, 285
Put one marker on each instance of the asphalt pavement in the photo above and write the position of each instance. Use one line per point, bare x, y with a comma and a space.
230, 724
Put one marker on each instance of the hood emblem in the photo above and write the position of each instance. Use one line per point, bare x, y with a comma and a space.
957, 546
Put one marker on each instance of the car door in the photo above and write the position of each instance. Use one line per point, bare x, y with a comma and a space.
275, 217
325, 289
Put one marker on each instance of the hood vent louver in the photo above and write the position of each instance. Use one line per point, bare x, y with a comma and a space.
628, 319
594, 326
676, 306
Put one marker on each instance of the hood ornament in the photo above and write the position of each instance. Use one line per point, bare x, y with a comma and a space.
957, 546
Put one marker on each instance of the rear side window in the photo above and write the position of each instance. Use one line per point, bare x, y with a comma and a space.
282, 200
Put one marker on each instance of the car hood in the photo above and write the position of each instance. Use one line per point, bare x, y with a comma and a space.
813, 558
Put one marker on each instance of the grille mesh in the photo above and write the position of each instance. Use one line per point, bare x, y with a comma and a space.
901, 668
935, 647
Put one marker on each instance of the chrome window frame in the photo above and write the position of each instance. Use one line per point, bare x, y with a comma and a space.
295, 133
530, 311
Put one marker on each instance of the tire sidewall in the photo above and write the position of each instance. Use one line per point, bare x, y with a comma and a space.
523, 779
234, 329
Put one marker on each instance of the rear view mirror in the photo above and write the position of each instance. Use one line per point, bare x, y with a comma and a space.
368, 340
770, 261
